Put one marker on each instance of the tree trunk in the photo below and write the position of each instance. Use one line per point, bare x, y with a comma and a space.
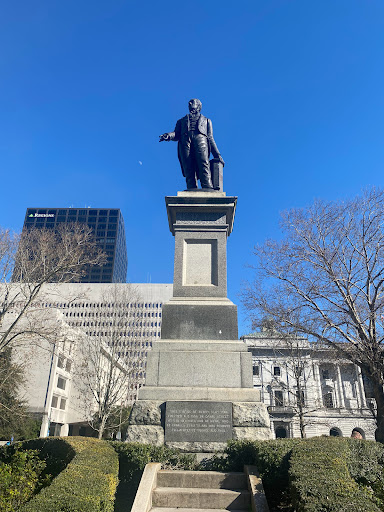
102, 427
302, 425
379, 397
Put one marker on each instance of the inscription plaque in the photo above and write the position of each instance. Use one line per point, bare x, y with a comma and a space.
198, 421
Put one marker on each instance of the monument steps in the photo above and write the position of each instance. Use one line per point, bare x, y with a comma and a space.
195, 510
201, 479
200, 491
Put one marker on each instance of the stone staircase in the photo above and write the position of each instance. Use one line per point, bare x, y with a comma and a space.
200, 491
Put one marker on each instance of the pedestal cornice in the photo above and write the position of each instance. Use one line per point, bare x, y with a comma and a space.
212, 208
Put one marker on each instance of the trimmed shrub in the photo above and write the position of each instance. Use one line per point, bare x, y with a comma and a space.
56, 452
26, 474
134, 456
19, 479
320, 480
366, 467
87, 484
317, 474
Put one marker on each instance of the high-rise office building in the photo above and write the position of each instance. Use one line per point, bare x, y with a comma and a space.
108, 226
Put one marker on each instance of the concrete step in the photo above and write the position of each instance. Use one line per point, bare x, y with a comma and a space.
201, 479
198, 498
167, 509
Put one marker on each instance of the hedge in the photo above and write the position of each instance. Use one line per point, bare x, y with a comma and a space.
310, 475
28, 466
20, 479
320, 480
134, 456
87, 484
366, 467
313, 475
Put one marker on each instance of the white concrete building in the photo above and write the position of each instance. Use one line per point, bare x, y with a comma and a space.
295, 378
54, 386
126, 316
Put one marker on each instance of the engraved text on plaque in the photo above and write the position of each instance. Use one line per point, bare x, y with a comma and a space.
198, 421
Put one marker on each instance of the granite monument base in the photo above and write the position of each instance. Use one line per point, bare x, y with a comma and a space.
198, 364
199, 390
199, 319
197, 425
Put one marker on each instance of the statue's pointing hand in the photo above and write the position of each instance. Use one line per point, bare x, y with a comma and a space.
165, 136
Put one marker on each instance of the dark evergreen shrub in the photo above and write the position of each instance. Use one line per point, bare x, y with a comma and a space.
20, 477
320, 480
87, 484
366, 467
134, 456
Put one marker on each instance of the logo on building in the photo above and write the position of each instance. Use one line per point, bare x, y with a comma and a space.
41, 215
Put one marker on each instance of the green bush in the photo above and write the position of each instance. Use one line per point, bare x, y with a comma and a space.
20, 477
57, 453
134, 456
25, 474
318, 474
320, 480
87, 484
311, 475
366, 467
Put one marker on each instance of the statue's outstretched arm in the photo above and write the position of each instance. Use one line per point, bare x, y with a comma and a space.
172, 135
214, 149
167, 136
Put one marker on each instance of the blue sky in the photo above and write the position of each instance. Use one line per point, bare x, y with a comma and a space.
294, 90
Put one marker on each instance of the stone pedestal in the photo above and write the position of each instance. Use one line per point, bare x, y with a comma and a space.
199, 367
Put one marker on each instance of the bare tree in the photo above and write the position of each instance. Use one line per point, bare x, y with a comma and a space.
325, 278
32, 259
103, 381
106, 373
295, 354
299, 367
27, 262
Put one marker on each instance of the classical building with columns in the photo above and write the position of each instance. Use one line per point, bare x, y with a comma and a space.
310, 389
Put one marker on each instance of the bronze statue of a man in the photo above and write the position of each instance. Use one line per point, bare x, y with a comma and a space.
194, 134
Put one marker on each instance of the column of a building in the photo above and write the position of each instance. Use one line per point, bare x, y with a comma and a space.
64, 430
44, 425
316, 371
361, 400
262, 382
340, 387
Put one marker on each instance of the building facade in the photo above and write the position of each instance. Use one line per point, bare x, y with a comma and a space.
108, 226
309, 390
56, 389
127, 315
122, 318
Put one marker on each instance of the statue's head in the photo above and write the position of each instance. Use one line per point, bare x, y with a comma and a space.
194, 106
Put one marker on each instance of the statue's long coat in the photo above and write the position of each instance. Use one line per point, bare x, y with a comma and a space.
204, 126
